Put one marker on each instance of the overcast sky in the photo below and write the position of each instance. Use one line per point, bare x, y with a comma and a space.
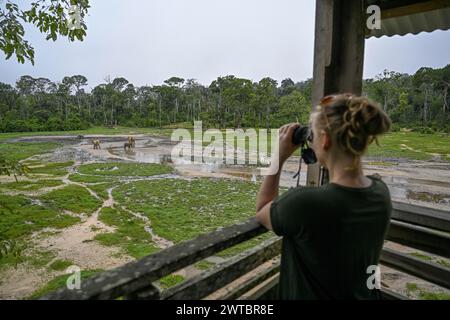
149, 41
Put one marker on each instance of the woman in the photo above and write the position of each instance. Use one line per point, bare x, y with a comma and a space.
332, 234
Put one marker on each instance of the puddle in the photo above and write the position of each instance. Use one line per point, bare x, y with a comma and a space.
411, 182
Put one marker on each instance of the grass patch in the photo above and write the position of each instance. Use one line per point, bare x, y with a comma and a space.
412, 145
427, 197
170, 281
20, 216
60, 282
204, 265
39, 259
73, 198
60, 265
52, 168
124, 169
181, 210
21, 150
91, 131
129, 235
381, 163
443, 262
101, 189
413, 290
29, 185
76, 177
421, 256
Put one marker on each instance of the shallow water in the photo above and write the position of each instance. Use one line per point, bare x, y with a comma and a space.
407, 181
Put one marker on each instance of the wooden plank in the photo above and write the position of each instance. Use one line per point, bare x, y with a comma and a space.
418, 237
423, 216
428, 271
138, 275
387, 294
267, 290
200, 286
270, 288
252, 282
149, 293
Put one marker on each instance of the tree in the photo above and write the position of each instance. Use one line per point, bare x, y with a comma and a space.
287, 86
293, 107
265, 100
423, 81
52, 17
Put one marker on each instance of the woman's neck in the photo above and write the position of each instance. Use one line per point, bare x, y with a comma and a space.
348, 173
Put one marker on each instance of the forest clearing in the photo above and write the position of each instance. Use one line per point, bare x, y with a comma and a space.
99, 209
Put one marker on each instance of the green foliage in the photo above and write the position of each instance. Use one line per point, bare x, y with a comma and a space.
413, 290
293, 107
52, 17
11, 167
60, 265
20, 216
171, 280
204, 265
419, 101
10, 249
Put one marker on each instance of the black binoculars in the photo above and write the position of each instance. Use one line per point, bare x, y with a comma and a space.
300, 136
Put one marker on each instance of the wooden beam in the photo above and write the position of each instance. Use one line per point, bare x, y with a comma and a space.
252, 282
136, 276
428, 271
200, 286
422, 216
387, 294
338, 55
421, 238
268, 290
415, 8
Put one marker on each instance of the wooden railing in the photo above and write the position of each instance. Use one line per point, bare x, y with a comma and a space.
417, 227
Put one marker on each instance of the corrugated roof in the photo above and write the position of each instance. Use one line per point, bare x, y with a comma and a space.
414, 23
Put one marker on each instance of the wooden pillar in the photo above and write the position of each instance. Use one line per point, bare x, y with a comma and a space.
338, 54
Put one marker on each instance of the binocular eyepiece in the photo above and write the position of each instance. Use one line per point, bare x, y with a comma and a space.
299, 137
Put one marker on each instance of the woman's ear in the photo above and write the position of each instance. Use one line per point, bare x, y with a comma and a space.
326, 141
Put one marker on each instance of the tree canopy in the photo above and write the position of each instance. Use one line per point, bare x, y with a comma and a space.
419, 101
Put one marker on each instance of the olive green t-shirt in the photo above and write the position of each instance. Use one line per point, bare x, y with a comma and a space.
331, 235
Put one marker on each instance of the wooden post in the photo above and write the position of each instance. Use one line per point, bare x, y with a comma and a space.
338, 55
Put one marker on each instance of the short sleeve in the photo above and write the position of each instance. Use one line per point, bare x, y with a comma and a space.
287, 213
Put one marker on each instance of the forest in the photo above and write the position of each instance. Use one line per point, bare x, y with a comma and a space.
419, 102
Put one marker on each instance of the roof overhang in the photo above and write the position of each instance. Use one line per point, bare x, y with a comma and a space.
401, 17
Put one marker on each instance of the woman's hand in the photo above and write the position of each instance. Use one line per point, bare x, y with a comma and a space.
285, 145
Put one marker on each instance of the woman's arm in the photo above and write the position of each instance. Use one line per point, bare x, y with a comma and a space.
267, 192
270, 185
